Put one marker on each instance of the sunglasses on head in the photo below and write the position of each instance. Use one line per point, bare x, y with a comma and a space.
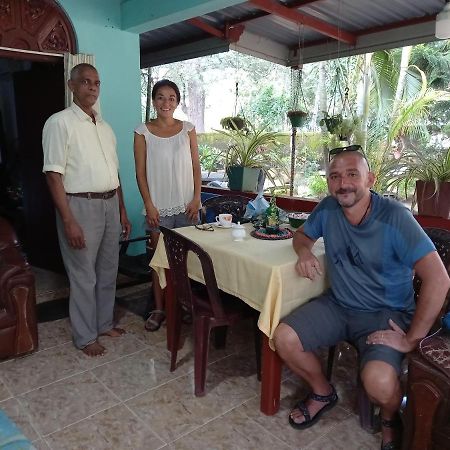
349, 148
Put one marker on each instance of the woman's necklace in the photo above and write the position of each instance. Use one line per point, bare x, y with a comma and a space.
365, 212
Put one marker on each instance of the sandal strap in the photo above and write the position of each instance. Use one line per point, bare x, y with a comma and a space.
324, 398
390, 446
305, 411
157, 311
391, 423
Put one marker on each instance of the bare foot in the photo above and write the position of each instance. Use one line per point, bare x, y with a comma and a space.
114, 332
94, 349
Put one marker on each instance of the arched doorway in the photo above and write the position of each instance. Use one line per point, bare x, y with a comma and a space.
36, 25
33, 36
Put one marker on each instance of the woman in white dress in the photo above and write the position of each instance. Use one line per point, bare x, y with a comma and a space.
168, 175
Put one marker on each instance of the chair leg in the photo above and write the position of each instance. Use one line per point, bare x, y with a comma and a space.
330, 361
201, 345
220, 336
258, 343
175, 338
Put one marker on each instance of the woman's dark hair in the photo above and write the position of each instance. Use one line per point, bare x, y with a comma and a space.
168, 83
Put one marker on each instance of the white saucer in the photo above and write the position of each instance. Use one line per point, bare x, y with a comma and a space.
219, 225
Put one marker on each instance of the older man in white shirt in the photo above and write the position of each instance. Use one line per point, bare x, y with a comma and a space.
81, 167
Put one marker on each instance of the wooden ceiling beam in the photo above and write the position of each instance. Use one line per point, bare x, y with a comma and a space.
278, 9
231, 34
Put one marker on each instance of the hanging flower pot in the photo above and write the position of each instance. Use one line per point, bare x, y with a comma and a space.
340, 126
297, 118
233, 123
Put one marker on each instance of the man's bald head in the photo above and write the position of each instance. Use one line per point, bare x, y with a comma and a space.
77, 70
355, 155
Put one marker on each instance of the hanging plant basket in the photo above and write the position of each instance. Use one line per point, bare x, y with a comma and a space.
297, 118
233, 123
340, 126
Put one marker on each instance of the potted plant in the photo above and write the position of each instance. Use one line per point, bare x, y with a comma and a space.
233, 123
297, 117
340, 126
296, 114
431, 174
250, 150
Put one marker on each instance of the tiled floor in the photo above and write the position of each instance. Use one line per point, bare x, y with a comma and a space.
128, 399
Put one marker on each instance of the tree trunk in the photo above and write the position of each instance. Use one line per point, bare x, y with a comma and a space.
322, 100
404, 63
148, 103
363, 101
196, 106
183, 104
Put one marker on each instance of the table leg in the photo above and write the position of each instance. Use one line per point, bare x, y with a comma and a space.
270, 379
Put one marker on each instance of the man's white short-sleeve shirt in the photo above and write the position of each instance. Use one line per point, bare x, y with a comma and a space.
84, 153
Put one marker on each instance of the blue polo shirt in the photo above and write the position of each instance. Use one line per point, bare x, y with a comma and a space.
370, 266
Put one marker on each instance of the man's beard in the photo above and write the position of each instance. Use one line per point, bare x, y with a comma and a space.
343, 192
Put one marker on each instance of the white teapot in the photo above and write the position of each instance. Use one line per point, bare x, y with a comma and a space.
238, 232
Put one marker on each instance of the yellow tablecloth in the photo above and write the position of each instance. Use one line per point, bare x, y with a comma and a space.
260, 272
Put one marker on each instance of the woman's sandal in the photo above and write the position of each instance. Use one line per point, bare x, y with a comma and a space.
186, 315
153, 324
309, 421
392, 423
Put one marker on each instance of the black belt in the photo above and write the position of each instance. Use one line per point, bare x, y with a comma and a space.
95, 195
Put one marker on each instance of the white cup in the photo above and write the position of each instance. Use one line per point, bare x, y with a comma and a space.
225, 220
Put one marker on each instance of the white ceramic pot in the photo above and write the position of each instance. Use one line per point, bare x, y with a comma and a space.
238, 232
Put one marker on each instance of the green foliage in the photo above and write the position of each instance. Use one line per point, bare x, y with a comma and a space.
433, 167
256, 147
434, 59
318, 185
251, 148
267, 107
211, 158
233, 123
340, 126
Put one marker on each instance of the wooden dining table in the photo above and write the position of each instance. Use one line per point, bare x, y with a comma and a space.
259, 272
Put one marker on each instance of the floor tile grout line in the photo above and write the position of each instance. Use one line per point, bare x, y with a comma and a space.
11, 394
145, 424
53, 382
25, 410
189, 372
260, 426
335, 425
81, 420
72, 374
52, 347
118, 358
146, 391
211, 420
106, 387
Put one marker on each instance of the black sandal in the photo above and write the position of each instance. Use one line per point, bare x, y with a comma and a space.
392, 423
330, 399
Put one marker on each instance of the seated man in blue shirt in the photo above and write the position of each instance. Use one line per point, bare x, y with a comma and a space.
373, 246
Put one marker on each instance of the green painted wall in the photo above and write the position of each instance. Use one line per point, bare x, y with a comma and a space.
97, 28
144, 15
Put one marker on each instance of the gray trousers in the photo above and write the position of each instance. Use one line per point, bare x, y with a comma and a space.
92, 271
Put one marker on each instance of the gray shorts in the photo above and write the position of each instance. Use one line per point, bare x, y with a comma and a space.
176, 221
323, 323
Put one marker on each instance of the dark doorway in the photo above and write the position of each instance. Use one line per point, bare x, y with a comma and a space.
30, 92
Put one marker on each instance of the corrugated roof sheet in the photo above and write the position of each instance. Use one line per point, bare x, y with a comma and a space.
377, 24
